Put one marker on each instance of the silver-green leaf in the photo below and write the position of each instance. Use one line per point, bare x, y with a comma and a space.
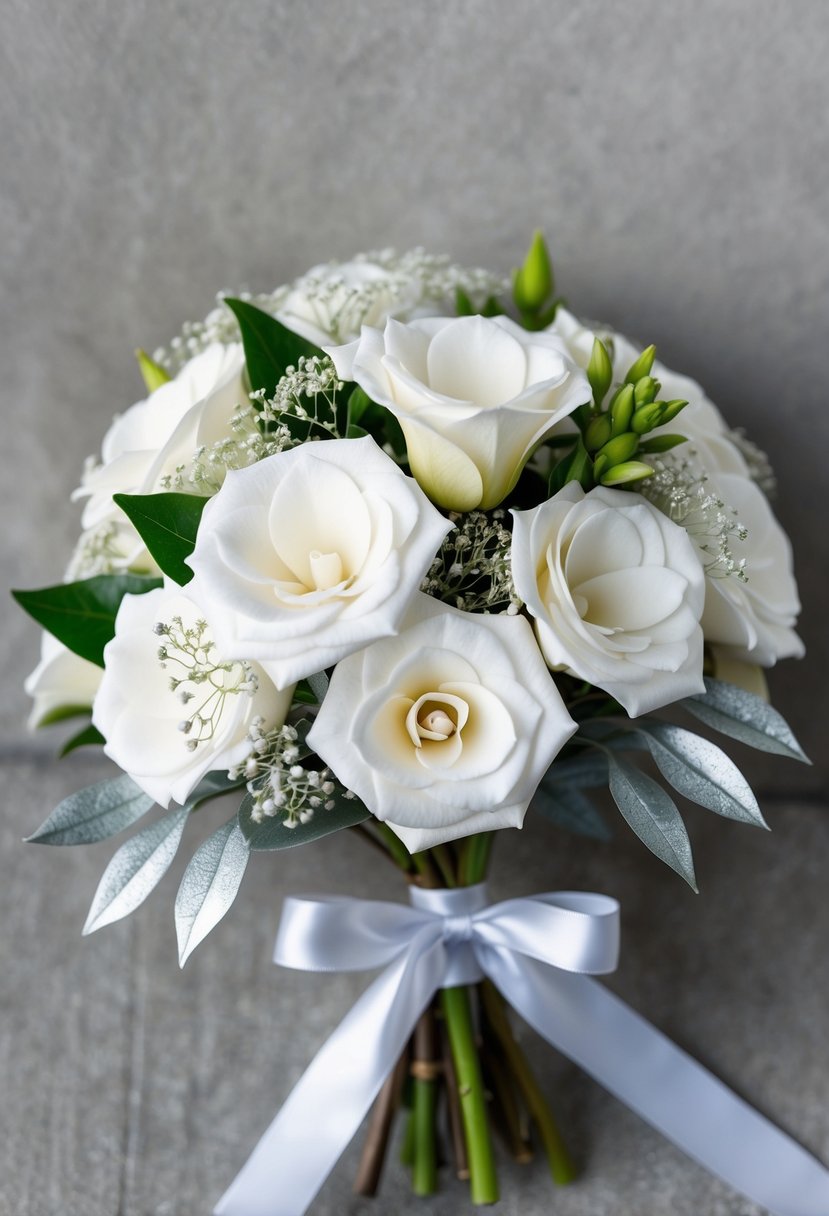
568, 808
95, 813
209, 886
745, 717
137, 867
653, 815
702, 772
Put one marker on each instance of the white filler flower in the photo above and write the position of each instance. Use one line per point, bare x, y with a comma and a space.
61, 682
446, 729
312, 553
170, 707
474, 395
155, 436
616, 590
333, 301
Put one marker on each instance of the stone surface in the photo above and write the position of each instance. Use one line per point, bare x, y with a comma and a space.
153, 155
132, 1089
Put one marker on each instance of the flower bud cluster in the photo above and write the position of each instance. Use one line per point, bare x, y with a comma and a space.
202, 681
472, 570
276, 780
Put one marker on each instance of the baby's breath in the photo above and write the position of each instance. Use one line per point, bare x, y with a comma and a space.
472, 570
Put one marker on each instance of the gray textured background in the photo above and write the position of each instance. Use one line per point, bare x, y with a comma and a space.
678, 160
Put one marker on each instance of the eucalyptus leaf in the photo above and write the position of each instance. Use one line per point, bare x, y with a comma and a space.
653, 816
273, 834
94, 813
167, 523
82, 614
137, 867
568, 808
745, 717
586, 771
209, 886
702, 772
270, 347
319, 685
89, 736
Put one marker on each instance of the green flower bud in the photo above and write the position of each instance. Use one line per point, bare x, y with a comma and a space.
645, 390
599, 371
575, 467
642, 366
670, 409
621, 410
532, 284
598, 432
646, 418
662, 443
620, 449
624, 474
153, 374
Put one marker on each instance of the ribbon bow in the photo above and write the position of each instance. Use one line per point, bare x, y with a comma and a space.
539, 952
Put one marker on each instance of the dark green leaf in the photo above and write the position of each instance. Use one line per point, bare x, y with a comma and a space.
94, 813
89, 736
272, 833
209, 886
653, 815
576, 467
568, 808
745, 717
137, 867
168, 524
358, 403
82, 615
62, 713
270, 347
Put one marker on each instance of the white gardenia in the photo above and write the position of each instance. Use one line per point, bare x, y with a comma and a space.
62, 681
446, 729
143, 719
313, 553
616, 591
333, 301
155, 436
473, 395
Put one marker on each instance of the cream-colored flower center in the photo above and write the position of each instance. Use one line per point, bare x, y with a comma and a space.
326, 570
436, 717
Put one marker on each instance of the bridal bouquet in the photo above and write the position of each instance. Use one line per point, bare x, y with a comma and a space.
411, 551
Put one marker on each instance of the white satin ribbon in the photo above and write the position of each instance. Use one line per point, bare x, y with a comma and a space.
538, 952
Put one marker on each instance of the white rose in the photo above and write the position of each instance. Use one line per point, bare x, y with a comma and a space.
755, 618
61, 683
333, 301
144, 717
474, 395
616, 590
158, 434
446, 729
312, 553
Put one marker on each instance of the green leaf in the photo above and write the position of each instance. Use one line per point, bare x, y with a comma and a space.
576, 467
568, 808
745, 717
152, 373
702, 772
89, 736
134, 871
662, 443
653, 816
272, 833
587, 771
358, 402
209, 886
167, 524
62, 713
270, 347
94, 813
82, 615
463, 305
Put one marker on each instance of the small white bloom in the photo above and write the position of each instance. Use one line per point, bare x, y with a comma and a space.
616, 590
446, 729
474, 395
755, 618
61, 681
158, 434
313, 553
138, 708
333, 301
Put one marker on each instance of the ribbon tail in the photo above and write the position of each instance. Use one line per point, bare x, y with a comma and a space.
329, 1102
664, 1085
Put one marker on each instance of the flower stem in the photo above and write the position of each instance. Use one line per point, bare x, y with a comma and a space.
561, 1166
483, 1180
425, 1070
475, 858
